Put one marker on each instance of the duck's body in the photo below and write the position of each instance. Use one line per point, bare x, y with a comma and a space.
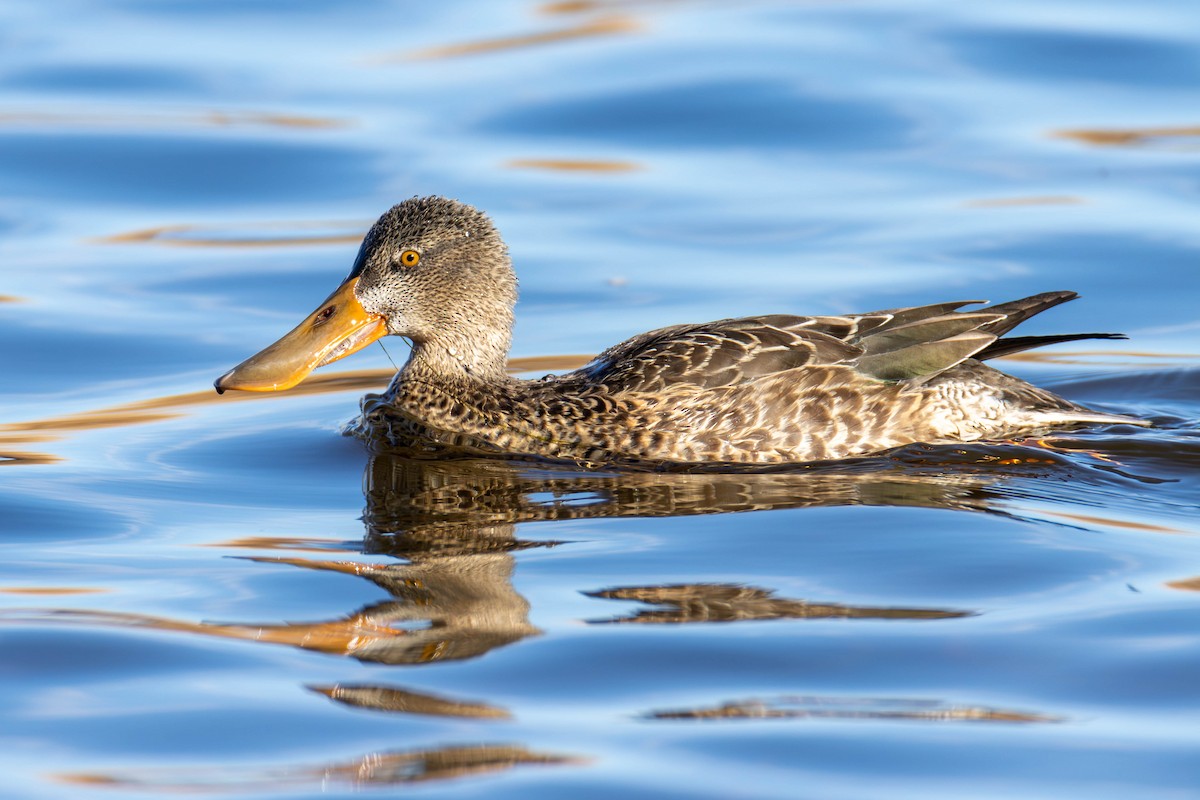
752, 390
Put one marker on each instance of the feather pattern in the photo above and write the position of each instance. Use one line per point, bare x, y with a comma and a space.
764, 389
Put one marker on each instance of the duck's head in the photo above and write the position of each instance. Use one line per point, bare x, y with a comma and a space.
431, 269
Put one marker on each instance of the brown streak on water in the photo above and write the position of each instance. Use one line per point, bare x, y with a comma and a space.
51, 590
370, 770
13, 457
1110, 522
177, 235
1185, 584
589, 6
1125, 137
140, 120
849, 708
606, 26
390, 699
335, 637
286, 543
1099, 357
573, 165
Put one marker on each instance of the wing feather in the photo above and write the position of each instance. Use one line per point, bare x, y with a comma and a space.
891, 345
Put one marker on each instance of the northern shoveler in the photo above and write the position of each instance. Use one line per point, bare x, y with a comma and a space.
766, 389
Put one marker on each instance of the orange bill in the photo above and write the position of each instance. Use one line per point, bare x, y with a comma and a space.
340, 326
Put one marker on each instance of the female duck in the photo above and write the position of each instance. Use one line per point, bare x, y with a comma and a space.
766, 389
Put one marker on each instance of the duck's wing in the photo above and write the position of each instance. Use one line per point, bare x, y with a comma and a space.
714, 354
889, 346
922, 341
913, 343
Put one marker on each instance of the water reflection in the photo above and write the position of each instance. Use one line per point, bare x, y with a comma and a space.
396, 700
451, 527
1020, 202
373, 769
450, 598
574, 165
245, 234
602, 26
161, 409
410, 498
1131, 137
140, 120
849, 708
727, 602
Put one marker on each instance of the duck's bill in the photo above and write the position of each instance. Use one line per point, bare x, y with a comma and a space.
340, 326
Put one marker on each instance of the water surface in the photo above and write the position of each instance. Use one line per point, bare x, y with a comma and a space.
226, 595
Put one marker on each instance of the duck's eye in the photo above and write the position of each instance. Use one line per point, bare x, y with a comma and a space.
410, 258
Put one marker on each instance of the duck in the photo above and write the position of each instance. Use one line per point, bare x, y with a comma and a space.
768, 389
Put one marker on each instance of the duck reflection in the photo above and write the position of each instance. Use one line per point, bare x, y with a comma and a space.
450, 526
726, 602
371, 770
802, 708
449, 531
442, 502
402, 701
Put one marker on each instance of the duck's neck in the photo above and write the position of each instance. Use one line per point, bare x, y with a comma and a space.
452, 358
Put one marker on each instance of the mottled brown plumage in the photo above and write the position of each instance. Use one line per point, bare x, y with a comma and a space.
766, 389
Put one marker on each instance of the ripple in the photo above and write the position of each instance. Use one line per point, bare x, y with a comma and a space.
606, 26
726, 113
370, 770
1052, 55
1017, 202
1133, 137
120, 169
574, 165
262, 234
850, 708
141, 120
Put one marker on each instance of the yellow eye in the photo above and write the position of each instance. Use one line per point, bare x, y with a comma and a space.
410, 258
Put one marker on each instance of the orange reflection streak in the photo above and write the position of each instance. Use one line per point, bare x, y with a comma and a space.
286, 543
195, 235
10, 457
1185, 584
51, 590
1125, 137
341, 637
587, 6
355, 568
1103, 357
1109, 522
11, 298
159, 409
1009, 202
575, 7
573, 165
394, 700
142, 120
606, 26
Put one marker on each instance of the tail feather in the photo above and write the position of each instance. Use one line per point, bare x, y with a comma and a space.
1086, 416
1017, 311
1019, 344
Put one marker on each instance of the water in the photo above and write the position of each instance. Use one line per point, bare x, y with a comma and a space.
225, 595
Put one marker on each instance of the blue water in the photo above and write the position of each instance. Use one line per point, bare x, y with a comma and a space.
225, 595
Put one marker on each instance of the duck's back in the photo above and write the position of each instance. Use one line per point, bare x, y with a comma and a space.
778, 388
